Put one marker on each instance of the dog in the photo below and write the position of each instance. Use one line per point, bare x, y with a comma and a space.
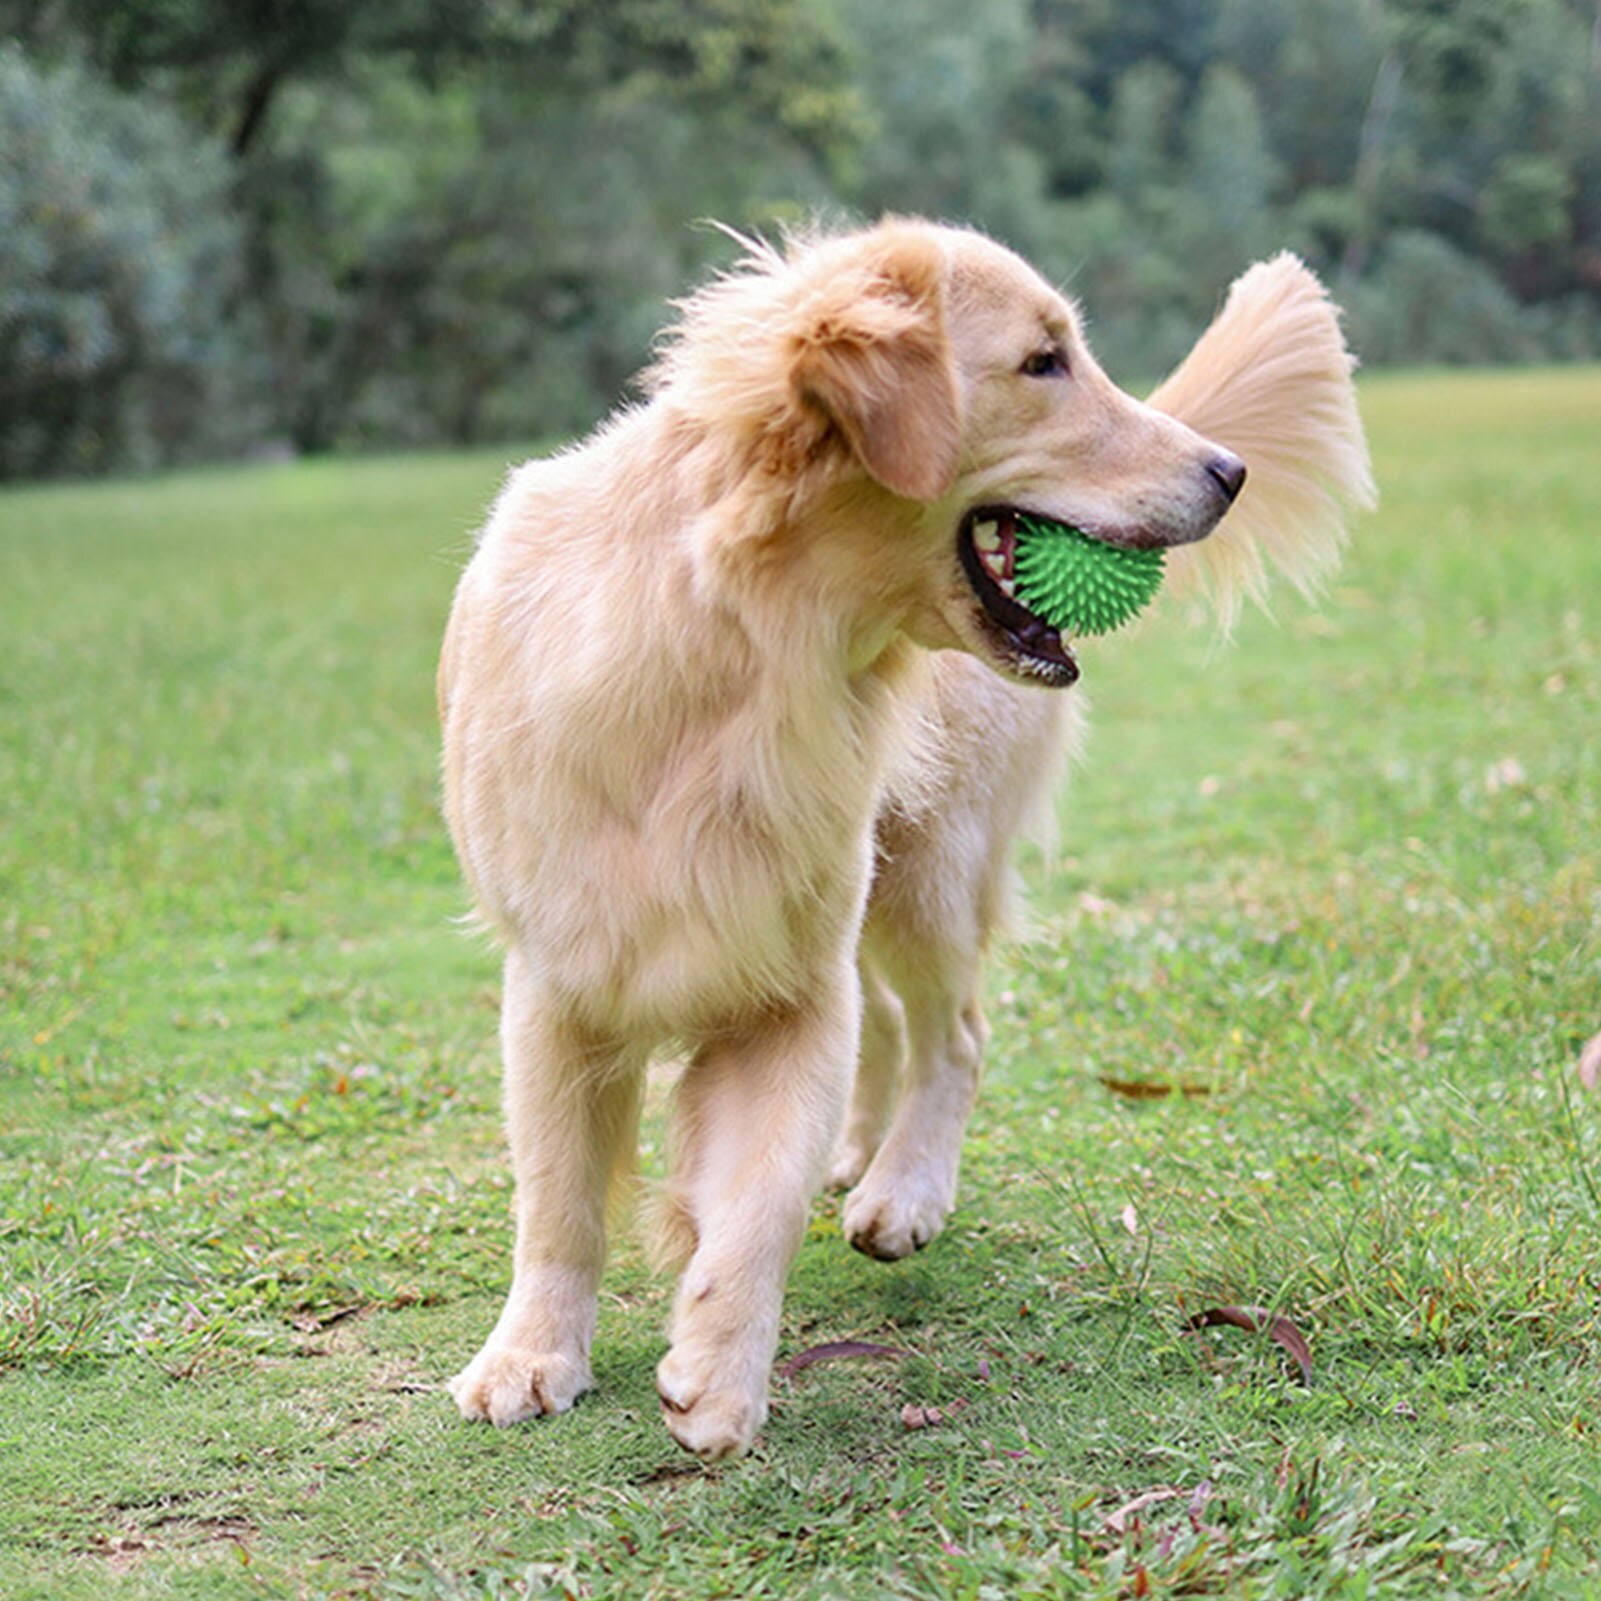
740, 727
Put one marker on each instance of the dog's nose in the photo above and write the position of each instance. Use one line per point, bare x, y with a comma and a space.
1228, 471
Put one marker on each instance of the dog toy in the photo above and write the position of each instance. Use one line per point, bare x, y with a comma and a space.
1077, 584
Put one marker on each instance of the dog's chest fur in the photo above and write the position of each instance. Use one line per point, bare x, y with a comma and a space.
670, 832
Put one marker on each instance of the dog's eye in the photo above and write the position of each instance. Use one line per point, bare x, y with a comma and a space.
1051, 362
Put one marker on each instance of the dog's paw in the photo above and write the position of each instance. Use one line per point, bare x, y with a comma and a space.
712, 1418
506, 1385
890, 1222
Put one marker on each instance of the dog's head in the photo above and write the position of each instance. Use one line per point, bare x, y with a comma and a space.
925, 384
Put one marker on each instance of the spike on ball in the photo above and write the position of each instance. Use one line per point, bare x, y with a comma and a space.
1081, 585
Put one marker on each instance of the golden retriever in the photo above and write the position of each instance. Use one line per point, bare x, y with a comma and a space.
740, 727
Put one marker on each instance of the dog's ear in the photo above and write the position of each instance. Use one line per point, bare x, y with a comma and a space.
872, 354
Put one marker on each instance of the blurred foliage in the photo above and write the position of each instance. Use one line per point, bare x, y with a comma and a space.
306, 224
119, 241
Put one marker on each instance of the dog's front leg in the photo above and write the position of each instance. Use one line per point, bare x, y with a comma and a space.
757, 1115
572, 1106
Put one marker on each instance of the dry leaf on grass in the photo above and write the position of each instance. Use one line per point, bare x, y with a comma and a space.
1252, 1319
316, 1322
1117, 1521
914, 1416
834, 1351
1142, 1089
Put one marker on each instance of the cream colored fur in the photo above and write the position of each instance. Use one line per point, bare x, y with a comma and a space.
734, 758
1271, 379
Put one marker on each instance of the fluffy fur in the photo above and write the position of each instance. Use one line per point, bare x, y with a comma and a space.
1271, 379
736, 747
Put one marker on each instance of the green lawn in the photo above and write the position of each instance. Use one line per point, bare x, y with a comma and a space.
1340, 880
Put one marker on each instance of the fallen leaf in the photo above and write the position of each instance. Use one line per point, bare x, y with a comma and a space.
1117, 1521
1590, 1064
1252, 1319
316, 1322
1144, 1089
835, 1351
1131, 1220
676, 1469
914, 1416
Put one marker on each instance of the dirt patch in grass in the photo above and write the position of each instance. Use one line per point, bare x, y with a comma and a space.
163, 1528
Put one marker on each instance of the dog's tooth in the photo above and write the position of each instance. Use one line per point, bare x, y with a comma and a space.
987, 536
1008, 588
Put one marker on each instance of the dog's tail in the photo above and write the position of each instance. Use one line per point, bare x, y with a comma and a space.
1271, 379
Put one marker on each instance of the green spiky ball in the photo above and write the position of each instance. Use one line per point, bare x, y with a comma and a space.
1077, 584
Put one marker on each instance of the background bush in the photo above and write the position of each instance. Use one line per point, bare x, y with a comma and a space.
120, 248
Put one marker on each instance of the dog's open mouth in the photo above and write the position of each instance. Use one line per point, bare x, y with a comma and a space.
987, 545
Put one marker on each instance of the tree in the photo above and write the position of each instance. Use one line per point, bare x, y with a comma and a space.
1144, 115
233, 59
1229, 169
1453, 48
1524, 206
116, 266
330, 296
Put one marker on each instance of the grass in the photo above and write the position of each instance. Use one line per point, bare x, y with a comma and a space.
1340, 882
